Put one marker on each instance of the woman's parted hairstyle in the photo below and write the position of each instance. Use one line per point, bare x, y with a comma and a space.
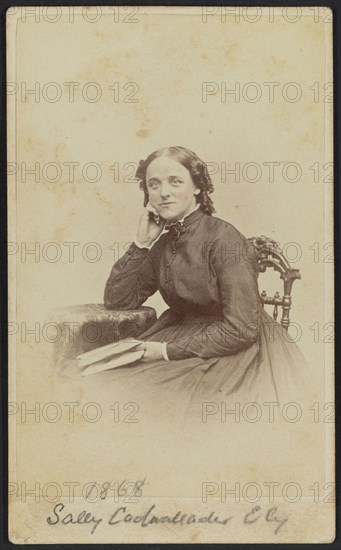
196, 167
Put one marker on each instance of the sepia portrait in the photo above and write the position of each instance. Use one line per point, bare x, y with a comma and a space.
171, 326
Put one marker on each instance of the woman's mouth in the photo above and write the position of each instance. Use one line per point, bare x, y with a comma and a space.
166, 204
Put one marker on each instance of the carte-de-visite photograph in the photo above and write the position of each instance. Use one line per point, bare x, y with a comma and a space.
171, 260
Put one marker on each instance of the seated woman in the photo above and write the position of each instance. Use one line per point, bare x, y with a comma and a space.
215, 340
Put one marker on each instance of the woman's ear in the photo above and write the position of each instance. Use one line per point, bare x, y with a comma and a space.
197, 191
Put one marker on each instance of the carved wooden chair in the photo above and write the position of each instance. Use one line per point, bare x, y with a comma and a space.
270, 255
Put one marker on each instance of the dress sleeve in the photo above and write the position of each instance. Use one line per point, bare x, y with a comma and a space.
239, 297
132, 280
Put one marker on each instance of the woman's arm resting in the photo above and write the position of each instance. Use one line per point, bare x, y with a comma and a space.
132, 280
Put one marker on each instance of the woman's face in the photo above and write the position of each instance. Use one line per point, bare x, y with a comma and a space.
170, 188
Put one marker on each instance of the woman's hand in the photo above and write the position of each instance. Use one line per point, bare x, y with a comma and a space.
153, 351
148, 230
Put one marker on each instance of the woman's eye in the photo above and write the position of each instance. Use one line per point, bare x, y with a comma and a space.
176, 181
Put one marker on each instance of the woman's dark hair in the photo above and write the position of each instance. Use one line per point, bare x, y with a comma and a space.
196, 167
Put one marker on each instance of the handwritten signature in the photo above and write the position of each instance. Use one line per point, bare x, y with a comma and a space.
270, 517
121, 515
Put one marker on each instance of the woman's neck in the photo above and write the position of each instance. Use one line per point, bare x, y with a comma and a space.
177, 219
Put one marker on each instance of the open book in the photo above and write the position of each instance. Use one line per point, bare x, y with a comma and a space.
110, 356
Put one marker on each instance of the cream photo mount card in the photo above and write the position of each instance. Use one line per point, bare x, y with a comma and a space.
170, 185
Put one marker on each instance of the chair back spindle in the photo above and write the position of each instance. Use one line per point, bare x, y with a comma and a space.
269, 254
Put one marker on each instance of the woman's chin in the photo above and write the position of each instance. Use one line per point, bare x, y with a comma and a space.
171, 214
167, 215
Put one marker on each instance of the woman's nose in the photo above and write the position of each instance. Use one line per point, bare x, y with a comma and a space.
164, 192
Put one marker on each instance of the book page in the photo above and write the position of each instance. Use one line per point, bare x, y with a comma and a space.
115, 362
105, 352
220, 120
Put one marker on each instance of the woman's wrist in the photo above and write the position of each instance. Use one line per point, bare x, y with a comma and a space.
164, 351
142, 245
144, 242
